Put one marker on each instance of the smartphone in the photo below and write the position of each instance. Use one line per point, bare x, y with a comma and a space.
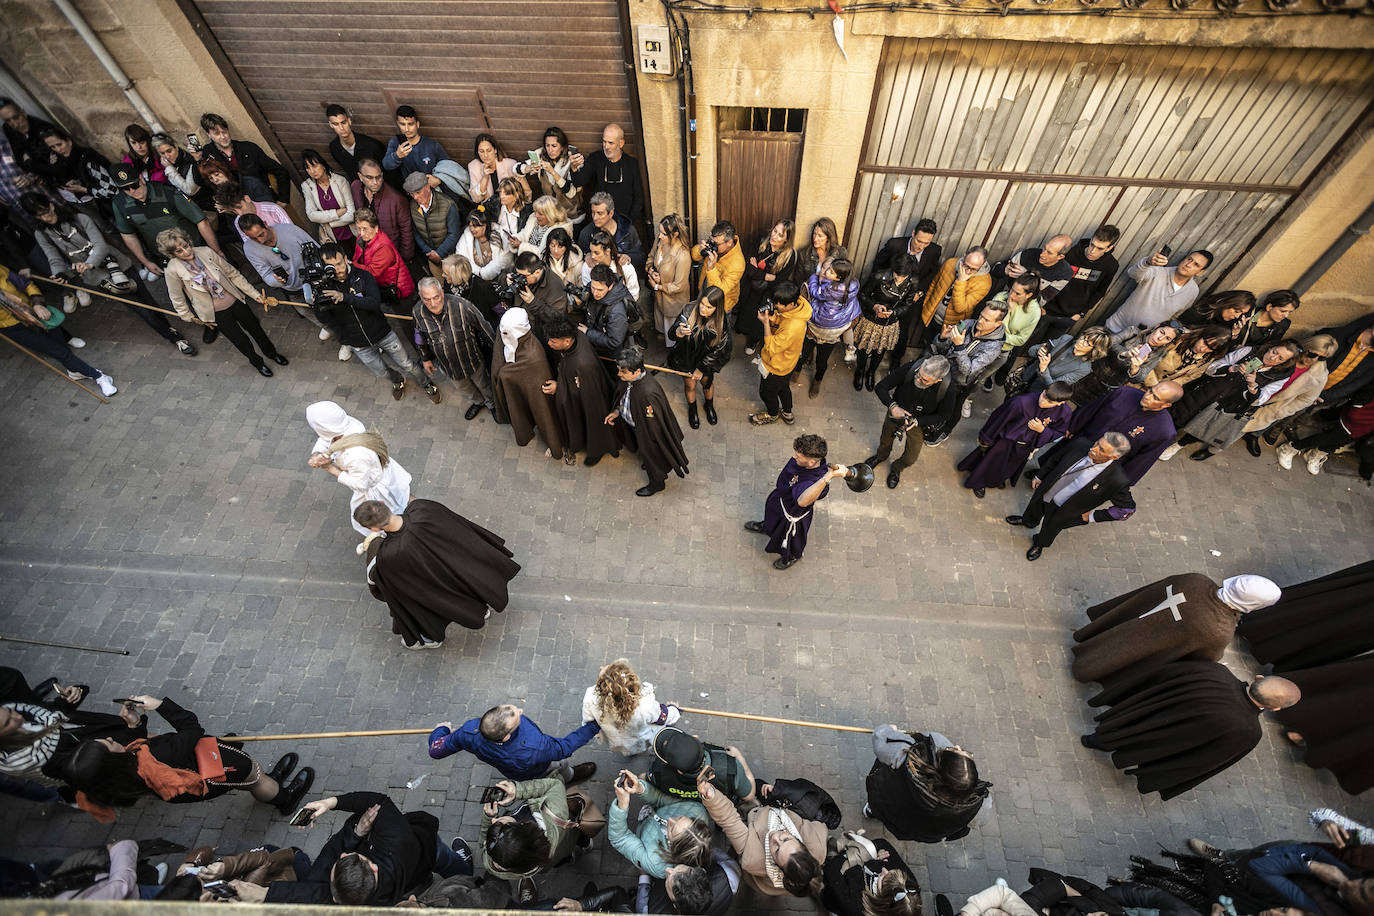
221, 889
193, 142
622, 781
1165, 250
122, 700
1251, 364
492, 794
302, 818
533, 156
572, 150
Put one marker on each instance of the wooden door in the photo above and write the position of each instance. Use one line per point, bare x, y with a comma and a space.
757, 179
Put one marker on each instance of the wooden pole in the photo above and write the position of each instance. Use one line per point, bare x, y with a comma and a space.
272, 301
310, 736
61, 645
777, 721
44, 363
97, 292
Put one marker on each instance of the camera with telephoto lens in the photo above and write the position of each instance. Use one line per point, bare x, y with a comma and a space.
708, 249
511, 285
314, 271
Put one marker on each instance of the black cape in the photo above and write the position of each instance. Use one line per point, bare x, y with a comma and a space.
583, 399
1178, 727
1315, 622
1336, 740
438, 569
656, 435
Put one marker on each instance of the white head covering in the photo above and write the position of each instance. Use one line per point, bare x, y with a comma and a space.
515, 324
1248, 593
328, 420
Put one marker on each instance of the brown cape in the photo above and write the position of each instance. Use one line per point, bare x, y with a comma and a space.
1120, 642
438, 569
583, 399
1178, 727
516, 387
656, 435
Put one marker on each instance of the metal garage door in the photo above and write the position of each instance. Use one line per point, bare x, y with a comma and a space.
512, 68
1004, 143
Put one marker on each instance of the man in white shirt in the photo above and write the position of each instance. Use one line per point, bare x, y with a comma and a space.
1069, 490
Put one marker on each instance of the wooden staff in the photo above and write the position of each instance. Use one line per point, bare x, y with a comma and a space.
425, 731
777, 721
611, 359
44, 363
96, 292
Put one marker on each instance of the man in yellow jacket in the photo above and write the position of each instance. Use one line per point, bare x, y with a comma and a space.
956, 292
723, 260
24, 319
784, 328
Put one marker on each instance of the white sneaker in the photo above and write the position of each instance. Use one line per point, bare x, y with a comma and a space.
325, 334
76, 343
83, 297
1170, 452
69, 303
967, 410
1286, 454
1315, 460
425, 644
851, 354
345, 354
107, 388
748, 351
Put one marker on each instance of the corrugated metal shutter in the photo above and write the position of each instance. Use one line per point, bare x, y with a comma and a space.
1003, 143
513, 67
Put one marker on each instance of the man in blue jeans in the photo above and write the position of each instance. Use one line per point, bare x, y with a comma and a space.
503, 738
351, 306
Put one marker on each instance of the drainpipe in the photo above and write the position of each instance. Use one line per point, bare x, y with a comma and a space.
111, 66
1352, 234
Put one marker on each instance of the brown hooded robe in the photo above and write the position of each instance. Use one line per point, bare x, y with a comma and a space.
1133, 634
517, 385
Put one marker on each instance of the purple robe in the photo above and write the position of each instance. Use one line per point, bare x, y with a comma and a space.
1005, 441
1150, 431
787, 523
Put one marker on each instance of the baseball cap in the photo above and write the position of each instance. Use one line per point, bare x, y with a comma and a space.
679, 750
124, 175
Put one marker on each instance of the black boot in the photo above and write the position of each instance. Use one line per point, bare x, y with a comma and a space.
692, 419
288, 798
860, 365
871, 379
710, 410
1252, 444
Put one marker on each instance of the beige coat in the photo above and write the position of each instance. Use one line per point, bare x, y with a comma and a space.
201, 308
328, 220
674, 266
747, 839
1298, 396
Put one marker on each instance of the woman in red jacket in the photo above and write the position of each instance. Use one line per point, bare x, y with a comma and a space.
377, 255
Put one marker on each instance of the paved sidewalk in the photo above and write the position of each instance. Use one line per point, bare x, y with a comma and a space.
181, 523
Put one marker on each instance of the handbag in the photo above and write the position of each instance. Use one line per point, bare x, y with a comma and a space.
584, 814
1017, 383
209, 762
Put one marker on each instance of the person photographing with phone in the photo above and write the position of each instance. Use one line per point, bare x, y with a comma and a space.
409, 151
378, 858
180, 767
1162, 293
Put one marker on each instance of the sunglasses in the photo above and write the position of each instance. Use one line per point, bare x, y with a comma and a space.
1314, 354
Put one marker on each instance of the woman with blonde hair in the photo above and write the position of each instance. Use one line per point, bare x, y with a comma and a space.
460, 279
548, 214
626, 709
670, 273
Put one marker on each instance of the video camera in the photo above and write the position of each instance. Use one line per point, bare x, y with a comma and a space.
511, 284
313, 269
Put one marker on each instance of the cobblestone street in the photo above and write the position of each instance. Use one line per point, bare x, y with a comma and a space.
181, 523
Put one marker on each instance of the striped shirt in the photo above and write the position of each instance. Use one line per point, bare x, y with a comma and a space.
27, 762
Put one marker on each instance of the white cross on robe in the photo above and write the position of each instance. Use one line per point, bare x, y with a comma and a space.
1171, 601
